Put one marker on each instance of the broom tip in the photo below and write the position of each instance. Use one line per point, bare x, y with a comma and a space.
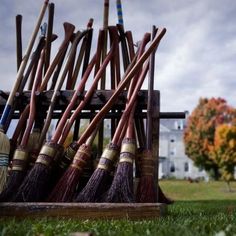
4, 143
4, 158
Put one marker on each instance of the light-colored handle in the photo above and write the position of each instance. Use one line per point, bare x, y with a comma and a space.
22, 67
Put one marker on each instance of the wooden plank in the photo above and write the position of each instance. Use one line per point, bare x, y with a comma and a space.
83, 211
99, 98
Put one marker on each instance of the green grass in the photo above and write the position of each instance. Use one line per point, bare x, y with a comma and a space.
186, 191
200, 209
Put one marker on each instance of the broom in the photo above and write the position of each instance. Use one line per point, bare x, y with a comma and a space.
71, 150
20, 159
121, 189
5, 144
146, 187
65, 192
96, 185
68, 182
73, 147
146, 190
34, 186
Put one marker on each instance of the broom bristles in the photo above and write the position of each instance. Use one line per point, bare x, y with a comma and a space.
96, 186
162, 198
64, 161
36, 184
4, 158
99, 182
16, 176
146, 191
121, 189
13, 182
65, 189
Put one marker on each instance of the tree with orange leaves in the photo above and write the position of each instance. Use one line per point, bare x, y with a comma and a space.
223, 152
200, 131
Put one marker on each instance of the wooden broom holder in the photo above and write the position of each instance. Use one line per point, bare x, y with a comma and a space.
137, 211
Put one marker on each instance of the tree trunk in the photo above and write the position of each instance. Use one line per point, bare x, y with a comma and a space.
229, 186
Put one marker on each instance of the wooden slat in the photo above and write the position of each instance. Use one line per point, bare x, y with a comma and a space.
83, 211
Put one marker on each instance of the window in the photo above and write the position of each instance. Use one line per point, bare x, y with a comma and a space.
173, 152
172, 167
186, 167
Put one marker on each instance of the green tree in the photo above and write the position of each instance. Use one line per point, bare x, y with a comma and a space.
200, 131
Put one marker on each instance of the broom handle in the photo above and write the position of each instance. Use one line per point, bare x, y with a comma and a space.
105, 27
49, 35
87, 50
121, 86
124, 48
130, 123
130, 105
18, 40
58, 69
88, 38
21, 70
130, 41
34, 61
141, 49
150, 97
130, 128
119, 135
71, 105
83, 51
32, 112
119, 12
69, 29
90, 92
71, 83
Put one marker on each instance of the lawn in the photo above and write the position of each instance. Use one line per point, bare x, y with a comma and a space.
200, 209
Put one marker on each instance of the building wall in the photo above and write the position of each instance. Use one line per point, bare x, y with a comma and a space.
173, 161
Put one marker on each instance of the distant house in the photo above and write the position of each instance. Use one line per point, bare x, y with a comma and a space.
172, 159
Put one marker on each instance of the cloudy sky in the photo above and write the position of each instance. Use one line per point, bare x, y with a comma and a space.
196, 58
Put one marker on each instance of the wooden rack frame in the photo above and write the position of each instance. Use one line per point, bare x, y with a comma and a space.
93, 210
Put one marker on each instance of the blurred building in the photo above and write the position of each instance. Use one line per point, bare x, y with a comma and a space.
173, 162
